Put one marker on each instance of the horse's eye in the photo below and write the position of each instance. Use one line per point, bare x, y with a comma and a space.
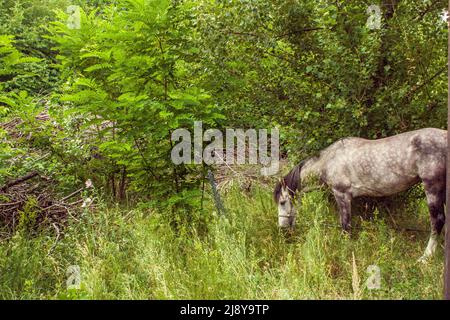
282, 202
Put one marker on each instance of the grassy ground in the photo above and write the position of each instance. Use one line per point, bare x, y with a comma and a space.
136, 254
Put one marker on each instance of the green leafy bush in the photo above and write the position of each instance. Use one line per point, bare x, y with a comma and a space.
10, 101
127, 80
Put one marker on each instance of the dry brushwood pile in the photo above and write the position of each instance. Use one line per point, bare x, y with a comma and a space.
244, 177
30, 202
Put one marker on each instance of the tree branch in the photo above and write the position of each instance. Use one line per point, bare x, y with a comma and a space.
19, 180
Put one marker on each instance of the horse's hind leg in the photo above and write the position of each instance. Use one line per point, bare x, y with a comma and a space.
435, 192
344, 202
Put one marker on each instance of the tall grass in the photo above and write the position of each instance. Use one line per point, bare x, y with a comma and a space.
137, 254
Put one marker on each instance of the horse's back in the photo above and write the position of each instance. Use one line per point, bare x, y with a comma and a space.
388, 165
426, 140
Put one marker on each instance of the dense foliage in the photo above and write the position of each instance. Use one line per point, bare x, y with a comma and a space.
126, 74
317, 70
135, 70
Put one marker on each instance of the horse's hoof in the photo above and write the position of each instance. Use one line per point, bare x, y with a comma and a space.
423, 259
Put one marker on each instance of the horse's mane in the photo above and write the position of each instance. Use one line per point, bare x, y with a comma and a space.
291, 181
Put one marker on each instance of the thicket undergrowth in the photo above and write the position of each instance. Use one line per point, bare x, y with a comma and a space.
139, 254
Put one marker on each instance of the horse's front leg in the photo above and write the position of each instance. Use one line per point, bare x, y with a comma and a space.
344, 202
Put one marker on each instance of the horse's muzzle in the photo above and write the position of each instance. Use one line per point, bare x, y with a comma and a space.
286, 222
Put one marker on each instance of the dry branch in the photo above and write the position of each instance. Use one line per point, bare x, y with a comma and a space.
35, 201
19, 180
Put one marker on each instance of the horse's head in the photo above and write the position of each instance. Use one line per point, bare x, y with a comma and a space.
284, 195
286, 209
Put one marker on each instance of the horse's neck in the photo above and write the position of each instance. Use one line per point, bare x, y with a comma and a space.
311, 168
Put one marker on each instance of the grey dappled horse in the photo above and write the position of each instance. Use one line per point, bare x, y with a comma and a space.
354, 167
